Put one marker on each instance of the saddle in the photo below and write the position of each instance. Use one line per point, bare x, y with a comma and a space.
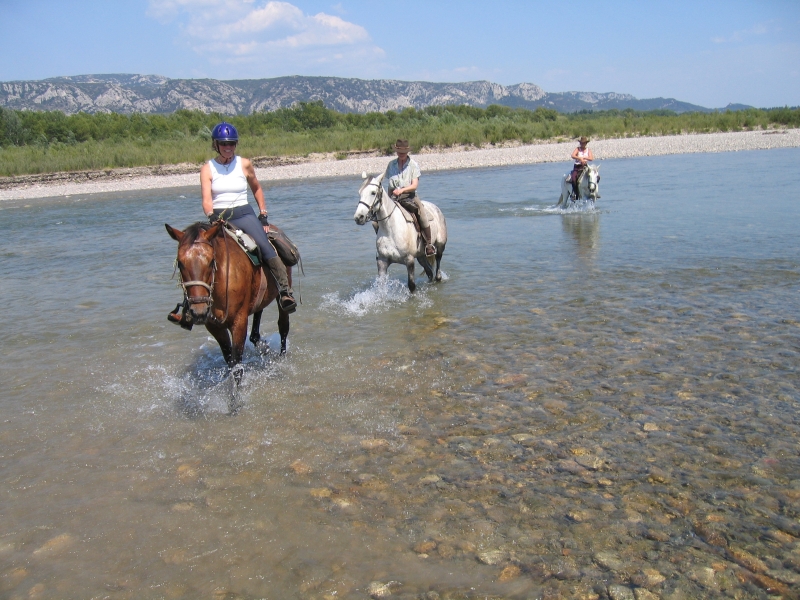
409, 216
413, 217
286, 249
581, 175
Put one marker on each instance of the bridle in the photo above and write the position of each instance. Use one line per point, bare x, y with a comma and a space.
592, 184
586, 172
209, 300
185, 285
371, 210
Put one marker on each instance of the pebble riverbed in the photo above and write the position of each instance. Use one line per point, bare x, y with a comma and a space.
452, 159
611, 414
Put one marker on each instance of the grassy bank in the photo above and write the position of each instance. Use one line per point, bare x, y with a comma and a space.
47, 142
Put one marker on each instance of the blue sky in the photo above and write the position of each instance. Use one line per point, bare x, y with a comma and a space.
709, 53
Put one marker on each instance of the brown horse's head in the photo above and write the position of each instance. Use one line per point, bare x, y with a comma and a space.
197, 266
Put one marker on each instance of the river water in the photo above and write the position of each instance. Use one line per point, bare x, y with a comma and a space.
590, 405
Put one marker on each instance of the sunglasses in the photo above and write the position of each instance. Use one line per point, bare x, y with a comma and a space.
227, 143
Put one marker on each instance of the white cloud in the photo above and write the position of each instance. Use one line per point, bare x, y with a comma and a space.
744, 34
266, 34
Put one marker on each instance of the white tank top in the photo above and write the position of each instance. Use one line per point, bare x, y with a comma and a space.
582, 154
228, 184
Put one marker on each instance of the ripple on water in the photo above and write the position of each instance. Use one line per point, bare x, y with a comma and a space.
620, 421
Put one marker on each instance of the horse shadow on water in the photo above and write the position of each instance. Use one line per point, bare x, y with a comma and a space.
209, 386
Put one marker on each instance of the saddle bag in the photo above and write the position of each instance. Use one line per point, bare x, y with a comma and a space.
285, 248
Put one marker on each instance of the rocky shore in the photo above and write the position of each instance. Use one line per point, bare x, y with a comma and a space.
330, 165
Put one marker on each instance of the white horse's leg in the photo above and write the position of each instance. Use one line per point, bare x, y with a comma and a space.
412, 285
562, 200
426, 266
438, 276
383, 266
440, 243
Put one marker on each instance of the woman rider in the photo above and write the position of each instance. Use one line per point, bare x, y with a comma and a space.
223, 187
581, 155
403, 173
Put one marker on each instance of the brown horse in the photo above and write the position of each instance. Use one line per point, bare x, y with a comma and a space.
223, 288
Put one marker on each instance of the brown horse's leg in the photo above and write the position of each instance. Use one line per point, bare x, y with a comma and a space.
238, 337
223, 339
283, 328
255, 328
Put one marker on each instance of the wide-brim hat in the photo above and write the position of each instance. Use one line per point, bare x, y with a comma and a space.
584, 140
401, 146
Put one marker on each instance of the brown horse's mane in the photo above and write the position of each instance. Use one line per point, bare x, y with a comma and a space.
194, 230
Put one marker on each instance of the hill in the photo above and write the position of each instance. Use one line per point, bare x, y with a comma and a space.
121, 93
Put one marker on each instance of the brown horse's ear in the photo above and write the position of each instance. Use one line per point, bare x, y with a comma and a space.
175, 234
212, 231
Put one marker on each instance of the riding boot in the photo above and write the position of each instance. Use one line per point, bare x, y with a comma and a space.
277, 269
184, 319
430, 249
575, 189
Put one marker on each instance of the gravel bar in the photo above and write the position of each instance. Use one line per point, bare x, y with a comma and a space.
434, 160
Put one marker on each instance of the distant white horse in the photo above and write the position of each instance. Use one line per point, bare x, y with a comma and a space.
398, 240
588, 186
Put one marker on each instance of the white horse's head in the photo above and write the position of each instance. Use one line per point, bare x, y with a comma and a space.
369, 199
593, 178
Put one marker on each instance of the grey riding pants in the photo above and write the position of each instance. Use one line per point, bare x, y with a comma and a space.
244, 218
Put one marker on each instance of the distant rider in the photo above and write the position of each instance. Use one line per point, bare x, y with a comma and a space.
581, 155
404, 173
223, 187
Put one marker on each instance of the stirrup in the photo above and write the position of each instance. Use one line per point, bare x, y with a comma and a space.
430, 250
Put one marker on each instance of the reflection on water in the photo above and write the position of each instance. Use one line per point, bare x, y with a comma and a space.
529, 428
584, 228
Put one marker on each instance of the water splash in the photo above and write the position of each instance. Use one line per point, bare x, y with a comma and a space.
201, 389
579, 206
383, 294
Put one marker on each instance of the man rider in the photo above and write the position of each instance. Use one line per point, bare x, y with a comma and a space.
403, 174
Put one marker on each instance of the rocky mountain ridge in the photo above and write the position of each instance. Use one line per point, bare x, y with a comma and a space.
122, 93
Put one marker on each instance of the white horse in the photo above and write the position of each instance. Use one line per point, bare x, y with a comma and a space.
588, 186
398, 240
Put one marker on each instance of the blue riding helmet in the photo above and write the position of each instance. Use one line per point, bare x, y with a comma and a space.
224, 132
